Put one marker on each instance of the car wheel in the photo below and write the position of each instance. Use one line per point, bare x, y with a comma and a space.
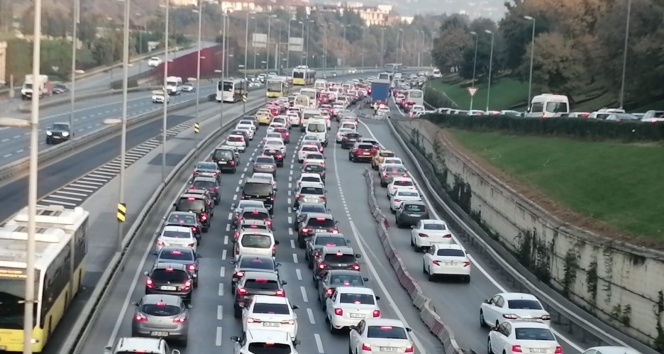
482, 321
466, 278
488, 346
431, 276
237, 313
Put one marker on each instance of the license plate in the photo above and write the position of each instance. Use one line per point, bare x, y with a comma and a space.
159, 334
270, 324
172, 288
538, 350
388, 349
365, 153
223, 162
356, 315
449, 263
319, 230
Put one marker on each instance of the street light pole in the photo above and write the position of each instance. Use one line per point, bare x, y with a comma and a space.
165, 117
303, 52
254, 50
624, 67
28, 319
474, 66
382, 47
325, 50
400, 35
125, 99
74, 42
246, 45
345, 54
198, 63
306, 62
532, 57
488, 90
223, 64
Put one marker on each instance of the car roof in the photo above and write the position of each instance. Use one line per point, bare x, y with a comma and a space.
615, 350
329, 234
355, 290
312, 184
337, 249
164, 265
183, 213
254, 208
434, 221
531, 324
194, 193
384, 322
402, 179
176, 248
257, 180
307, 174
167, 299
416, 202
344, 272
128, 344
264, 158
205, 179
261, 335
176, 228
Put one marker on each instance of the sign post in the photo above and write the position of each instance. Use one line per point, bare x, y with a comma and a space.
472, 91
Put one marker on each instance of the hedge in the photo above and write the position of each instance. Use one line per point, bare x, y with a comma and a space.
585, 129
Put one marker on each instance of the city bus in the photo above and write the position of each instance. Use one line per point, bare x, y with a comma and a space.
415, 97
386, 77
61, 246
302, 76
233, 90
277, 87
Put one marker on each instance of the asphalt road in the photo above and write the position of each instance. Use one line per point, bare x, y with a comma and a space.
458, 302
212, 322
89, 116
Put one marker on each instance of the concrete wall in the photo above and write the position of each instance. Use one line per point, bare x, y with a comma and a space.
617, 282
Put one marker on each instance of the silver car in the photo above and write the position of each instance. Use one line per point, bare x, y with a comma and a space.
388, 172
161, 316
265, 164
244, 204
310, 193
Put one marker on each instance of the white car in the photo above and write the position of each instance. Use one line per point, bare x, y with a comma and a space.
384, 110
341, 132
270, 313
512, 307
309, 178
154, 61
417, 110
245, 203
380, 335
266, 176
178, 236
273, 135
236, 141
247, 126
400, 183
349, 305
248, 122
390, 161
315, 158
523, 337
306, 150
429, 232
280, 342
294, 119
273, 143
347, 125
610, 350
159, 97
248, 130
274, 125
446, 259
310, 138
255, 243
402, 195
282, 119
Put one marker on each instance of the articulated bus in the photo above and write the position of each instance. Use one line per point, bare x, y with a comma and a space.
415, 97
277, 87
231, 89
302, 76
61, 246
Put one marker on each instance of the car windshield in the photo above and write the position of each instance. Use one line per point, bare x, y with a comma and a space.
264, 161
190, 204
524, 304
180, 255
314, 168
347, 280
339, 258
175, 234
414, 208
181, 219
256, 263
169, 275
435, 226
386, 332
407, 194
533, 334
235, 138
315, 157
269, 348
160, 309
312, 208
271, 309
204, 184
261, 284
330, 241
364, 299
316, 128
312, 190
256, 241
254, 188
222, 155
309, 148
365, 146
450, 252
255, 215
206, 166
310, 179
57, 126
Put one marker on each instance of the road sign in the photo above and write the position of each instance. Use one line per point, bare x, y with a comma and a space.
472, 91
197, 128
122, 212
259, 40
295, 44
244, 98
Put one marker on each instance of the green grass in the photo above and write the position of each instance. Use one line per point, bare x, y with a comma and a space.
506, 93
618, 184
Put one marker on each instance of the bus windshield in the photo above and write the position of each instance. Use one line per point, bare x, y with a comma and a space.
228, 86
310, 94
12, 295
415, 94
298, 74
274, 86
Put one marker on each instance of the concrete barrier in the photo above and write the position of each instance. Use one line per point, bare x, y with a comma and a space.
66, 99
428, 315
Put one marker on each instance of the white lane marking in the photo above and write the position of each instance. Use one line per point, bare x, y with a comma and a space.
228, 227
290, 219
234, 197
472, 259
222, 272
230, 216
310, 313
292, 242
57, 202
225, 239
64, 197
224, 254
220, 312
298, 274
221, 289
217, 340
237, 189
72, 193
78, 189
294, 257
305, 298
290, 232
319, 343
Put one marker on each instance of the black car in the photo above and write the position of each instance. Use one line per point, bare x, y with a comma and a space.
329, 280
252, 264
59, 88
313, 224
180, 255
306, 208
256, 283
260, 189
276, 154
349, 139
361, 152
226, 159
315, 168
205, 194
185, 218
170, 279
197, 204
330, 258
58, 132
410, 212
210, 184
320, 240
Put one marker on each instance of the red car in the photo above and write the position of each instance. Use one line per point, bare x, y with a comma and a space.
285, 134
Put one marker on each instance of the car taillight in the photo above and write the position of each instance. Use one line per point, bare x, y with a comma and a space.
366, 346
149, 283
289, 322
215, 190
180, 319
384, 175
356, 266
320, 149
187, 285
194, 228
334, 231
280, 293
232, 163
329, 291
242, 291
338, 312
516, 348
140, 318
254, 320
300, 196
306, 229
191, 245
315, 254
160, 243
559, 349
397, 200
321, 266
192, 267
376, 313
358, 151
274, 250
422, 235
322, 197
436, 263
448, 236
466, 264
203, 216
410, 349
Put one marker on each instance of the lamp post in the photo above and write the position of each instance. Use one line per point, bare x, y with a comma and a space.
165, 116
626, 47
488, 90
125, 100
532, 56
255, 51
220, 88
306, 62
288, 43
400, 44
246, 44
382, 47
302, 54
364, 34
267, 51
420, 49
325, 51
200, 47
74, 42
343, 51
474, 66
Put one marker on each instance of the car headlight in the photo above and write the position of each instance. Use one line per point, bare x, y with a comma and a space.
65, 134
48, 132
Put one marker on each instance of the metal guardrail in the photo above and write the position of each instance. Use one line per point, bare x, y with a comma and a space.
66, 99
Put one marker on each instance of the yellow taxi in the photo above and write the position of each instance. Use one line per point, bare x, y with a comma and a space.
379, 156
264, 116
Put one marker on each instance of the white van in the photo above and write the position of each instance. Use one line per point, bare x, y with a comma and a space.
174, 85
255, 243
548, 105
436, 74
317, 127
306, 115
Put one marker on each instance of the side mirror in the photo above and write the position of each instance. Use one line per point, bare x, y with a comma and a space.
277, 265
358, 255
155, 253
235, 339
377, 297
146, 273
295, 307
408, 329
175, 204
487, 301
296, 342
108, 349
365, 279
276, 189
352, 328
276, 242
348, 241
190, 306
412, 226
163, 218
283, 282
175, 351
232, 262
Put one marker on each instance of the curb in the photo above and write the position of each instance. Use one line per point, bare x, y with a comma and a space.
420, 301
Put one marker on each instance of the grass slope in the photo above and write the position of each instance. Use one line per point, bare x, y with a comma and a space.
618, 184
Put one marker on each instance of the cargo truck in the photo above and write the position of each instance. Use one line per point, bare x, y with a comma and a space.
41, 84
380, 91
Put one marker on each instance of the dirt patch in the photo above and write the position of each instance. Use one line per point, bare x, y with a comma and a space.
432, 131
